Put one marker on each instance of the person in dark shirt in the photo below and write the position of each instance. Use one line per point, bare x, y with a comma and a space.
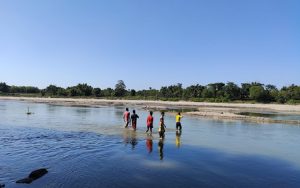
162, 126
134, 117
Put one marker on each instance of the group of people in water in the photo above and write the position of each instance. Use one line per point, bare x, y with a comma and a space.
150, 119
132, 119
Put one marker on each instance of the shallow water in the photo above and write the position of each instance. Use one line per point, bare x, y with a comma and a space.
88, 147
272, 115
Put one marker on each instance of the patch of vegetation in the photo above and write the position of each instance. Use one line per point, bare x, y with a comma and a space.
214, 92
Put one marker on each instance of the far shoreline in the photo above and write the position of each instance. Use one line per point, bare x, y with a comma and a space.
219, 111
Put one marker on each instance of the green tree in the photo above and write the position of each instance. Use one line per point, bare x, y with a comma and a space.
208, 93
293, 92
245, 91
97, 92
164, 92
85, 89
108, 92
73, 91
216, 88
177, 90
257, 93
296, 93
193, 91
270, 87
132, 92
4, 88
256, 84
32, 89
271, 92
281, 97
52, 90
120, 89
232, 91
62, 92
13, 89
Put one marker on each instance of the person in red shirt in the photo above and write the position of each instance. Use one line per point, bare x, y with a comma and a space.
150, 122
126, 117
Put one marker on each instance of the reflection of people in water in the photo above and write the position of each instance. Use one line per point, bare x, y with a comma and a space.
149, 144
178, 135
133, 140
130, 138
161, 149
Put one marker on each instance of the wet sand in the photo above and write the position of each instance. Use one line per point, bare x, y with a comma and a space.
219, 111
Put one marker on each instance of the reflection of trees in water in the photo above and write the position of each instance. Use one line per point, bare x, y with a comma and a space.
119, 112
130, 138
161, 149
52, 108
83, 110
178, 141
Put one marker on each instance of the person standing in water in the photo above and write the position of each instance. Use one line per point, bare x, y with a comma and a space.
150, 122
134, 117
162, 126
126, 117
178, 122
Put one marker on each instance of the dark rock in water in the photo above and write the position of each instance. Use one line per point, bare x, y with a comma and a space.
33, 176
2, 185
38, 173
25, 180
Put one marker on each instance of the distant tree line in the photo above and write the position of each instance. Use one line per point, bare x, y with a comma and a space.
213, 92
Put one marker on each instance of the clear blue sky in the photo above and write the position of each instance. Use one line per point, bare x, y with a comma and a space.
149, 43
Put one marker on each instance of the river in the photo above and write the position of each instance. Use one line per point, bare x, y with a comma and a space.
88, 147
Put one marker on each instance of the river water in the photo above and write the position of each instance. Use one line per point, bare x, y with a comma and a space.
88, 147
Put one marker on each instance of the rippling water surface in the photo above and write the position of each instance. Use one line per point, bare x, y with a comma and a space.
87, 147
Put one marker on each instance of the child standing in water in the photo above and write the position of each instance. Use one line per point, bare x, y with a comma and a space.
162, 126
134, 117
150, 122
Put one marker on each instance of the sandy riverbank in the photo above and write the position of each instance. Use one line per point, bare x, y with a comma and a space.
220, 111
